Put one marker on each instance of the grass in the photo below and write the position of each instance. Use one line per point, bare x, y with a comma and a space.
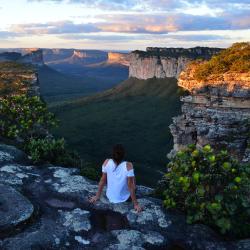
135, 113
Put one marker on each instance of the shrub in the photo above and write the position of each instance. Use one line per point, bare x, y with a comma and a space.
90, 171
23, 117
234, 59
211, 188
28, 120
51, 151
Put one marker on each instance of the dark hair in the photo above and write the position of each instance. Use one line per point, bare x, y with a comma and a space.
118, 153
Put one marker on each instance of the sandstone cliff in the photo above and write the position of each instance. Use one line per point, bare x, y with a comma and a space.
216, 112
28, 56
118, 58
34, 57
165, 62
16, 79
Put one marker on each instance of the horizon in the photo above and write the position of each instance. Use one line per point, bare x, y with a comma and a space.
105, 50
123, 25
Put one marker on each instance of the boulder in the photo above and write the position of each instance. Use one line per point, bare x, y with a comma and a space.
15, 209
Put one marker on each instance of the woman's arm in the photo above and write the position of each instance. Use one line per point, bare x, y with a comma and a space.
131, 187
102, 183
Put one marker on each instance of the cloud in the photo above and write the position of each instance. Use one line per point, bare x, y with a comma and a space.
101, 37
196, 37
7, 34
104, 4
136, 24
63, 27
152, 5
163, 23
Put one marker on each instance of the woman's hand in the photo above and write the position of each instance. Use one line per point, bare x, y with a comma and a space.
94, 199
138, 208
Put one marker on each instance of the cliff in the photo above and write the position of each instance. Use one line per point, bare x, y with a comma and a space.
9, 56
72, 56
216, 112
118, 58
34, 57
165, 62
26, 56
16, 79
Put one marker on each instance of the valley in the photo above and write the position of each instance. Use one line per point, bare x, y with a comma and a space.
135, 113
66, 74
103, 98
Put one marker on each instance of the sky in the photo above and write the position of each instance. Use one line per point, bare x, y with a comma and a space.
123, 24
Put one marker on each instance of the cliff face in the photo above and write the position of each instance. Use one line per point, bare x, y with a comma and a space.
16, 79
118, 58
216, 112
165, 62
34, 57
29, 56
71, 56
10, 56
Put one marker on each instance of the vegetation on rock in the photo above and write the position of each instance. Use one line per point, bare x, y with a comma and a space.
23, 117
234, 59
52, 151
15, 78
211, 188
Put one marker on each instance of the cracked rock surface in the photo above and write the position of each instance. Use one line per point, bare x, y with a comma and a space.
46, 207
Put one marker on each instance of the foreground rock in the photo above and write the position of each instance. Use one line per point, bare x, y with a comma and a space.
51, 211
14, 208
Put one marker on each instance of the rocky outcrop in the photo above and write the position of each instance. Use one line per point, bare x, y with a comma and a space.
118, 58
18, 79
165, 62
34, 57
72, 56
215, 112
27, 56
56, 214
9, 56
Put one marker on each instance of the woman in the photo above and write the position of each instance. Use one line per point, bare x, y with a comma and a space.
120, 179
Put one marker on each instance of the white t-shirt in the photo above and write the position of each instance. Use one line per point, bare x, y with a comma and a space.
117, 184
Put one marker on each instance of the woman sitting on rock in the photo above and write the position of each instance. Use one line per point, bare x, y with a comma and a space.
120, 179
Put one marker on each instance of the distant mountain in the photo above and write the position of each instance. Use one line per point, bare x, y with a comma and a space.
32, 56
136, 113
58, 87
89, 63
9, 56
68, 73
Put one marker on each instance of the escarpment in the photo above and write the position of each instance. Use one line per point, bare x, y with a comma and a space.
118, 58
17, 79
216, 112
165, 62
27, 56
34, 57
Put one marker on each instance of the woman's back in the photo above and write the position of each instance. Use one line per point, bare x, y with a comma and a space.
117, 186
